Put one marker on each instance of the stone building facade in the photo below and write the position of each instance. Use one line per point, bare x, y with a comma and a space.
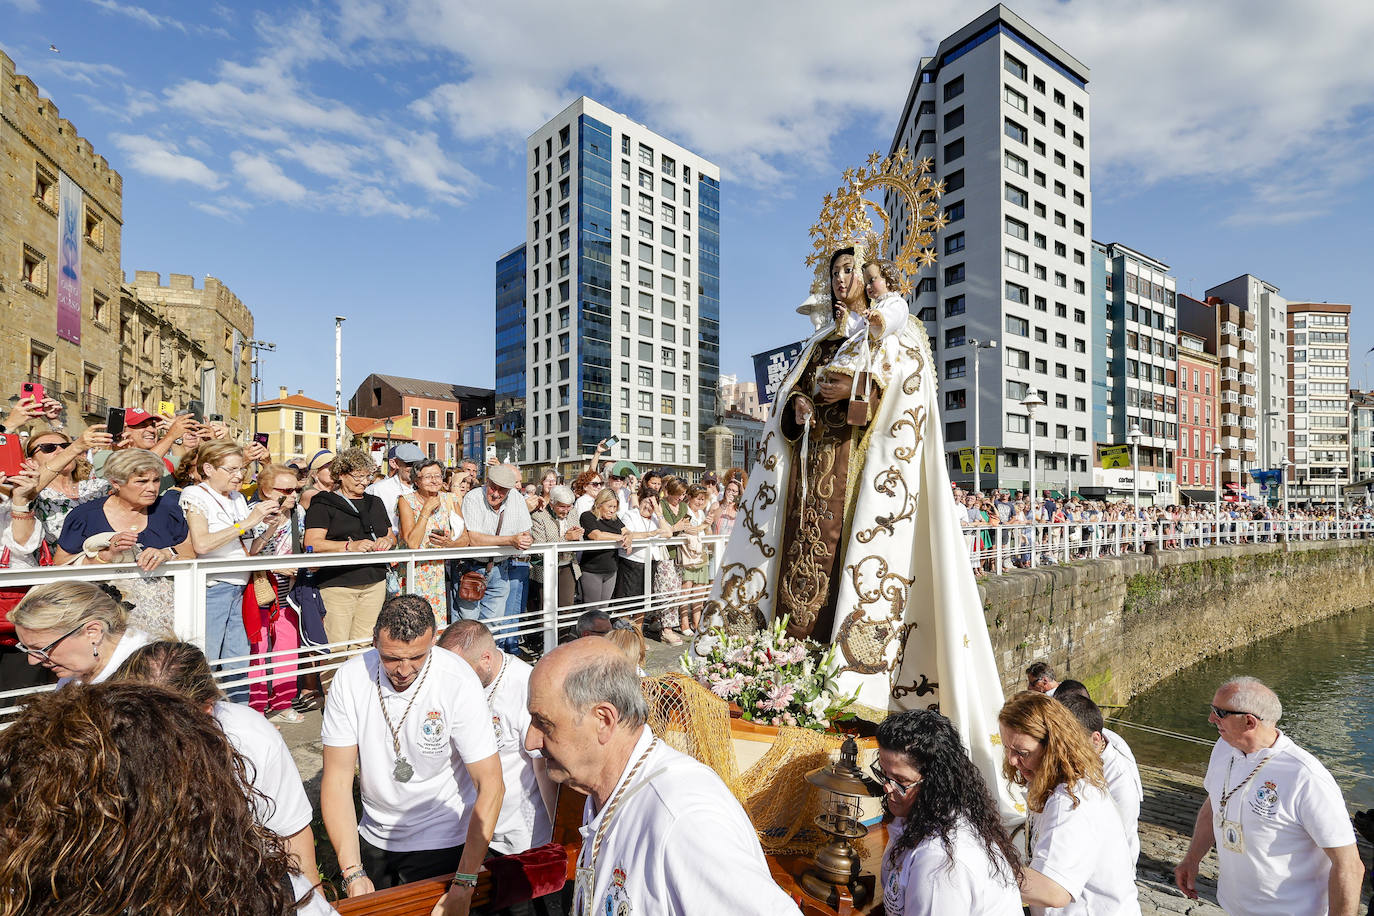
218, 319
138, 344
37, 147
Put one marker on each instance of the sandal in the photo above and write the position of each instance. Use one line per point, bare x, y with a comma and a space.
306, 701
289, 716
670, 637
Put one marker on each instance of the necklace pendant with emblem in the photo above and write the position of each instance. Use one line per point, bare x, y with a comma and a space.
402, 771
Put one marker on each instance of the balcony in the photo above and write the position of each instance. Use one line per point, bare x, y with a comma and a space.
93, 405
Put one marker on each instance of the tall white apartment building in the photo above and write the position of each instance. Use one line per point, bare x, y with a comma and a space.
1003, 112
1271, 365
622, 294
1319, 401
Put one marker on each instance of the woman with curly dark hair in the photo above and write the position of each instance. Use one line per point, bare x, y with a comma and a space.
946, 850
160, 825
1079, 864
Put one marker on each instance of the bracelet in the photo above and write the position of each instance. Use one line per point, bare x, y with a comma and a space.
348, 546
349, 879
462, 880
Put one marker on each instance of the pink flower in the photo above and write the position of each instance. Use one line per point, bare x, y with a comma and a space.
779, 696
728, 688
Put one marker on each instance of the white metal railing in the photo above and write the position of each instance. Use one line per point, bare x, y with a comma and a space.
1025, 545
189, 578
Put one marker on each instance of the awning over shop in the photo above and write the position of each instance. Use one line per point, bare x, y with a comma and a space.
1198, 496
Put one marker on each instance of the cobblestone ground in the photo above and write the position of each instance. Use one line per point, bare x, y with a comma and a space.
1166, 818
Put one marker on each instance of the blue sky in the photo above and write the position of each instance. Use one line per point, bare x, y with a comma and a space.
365, 158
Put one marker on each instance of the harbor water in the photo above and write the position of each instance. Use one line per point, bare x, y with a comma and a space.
1324, 674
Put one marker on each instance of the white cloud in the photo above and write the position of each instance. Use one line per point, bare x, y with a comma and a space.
161, 160
266, 179
139, 14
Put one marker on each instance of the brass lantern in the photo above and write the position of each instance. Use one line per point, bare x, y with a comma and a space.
837, 862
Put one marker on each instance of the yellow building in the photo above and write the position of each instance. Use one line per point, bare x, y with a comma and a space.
296, 426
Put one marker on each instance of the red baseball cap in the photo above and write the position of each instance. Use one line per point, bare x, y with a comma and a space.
136, 416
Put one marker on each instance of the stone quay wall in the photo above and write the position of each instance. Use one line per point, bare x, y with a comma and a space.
1121, 624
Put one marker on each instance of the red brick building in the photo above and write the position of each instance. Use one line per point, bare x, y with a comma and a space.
1197, 412
437, 409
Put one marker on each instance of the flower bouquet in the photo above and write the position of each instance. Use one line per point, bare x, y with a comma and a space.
774, 678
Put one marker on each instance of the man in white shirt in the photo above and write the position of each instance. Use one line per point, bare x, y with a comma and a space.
1123, 777
390, 489
525, 820
414, 723
493, 519
1283, 837
661, 833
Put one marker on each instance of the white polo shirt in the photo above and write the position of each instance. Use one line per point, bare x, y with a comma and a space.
283, 809
1123, 785
679, 843
1083, 850
927, 881
1289, 812
524, 822
447, 728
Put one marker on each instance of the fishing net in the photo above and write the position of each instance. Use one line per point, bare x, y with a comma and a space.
774, 792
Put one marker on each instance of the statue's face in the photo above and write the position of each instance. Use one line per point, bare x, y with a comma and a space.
846, 281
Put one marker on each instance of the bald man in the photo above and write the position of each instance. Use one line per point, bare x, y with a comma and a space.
525, 810
660, 832
1276, 816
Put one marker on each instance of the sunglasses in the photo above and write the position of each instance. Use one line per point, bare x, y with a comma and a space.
1223, 713
43, 654
886, 780
48, 448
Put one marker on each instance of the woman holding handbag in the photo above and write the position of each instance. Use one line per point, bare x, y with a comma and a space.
223, 526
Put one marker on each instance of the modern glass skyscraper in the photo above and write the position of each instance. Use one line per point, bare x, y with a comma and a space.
621, 264
510, 343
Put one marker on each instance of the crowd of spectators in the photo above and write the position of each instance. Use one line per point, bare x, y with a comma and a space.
1004, 530
174, 488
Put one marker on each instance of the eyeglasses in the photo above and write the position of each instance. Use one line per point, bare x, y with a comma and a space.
886, 780
1223, 713
48, 448
360, 475
232, 472
42, 654
595, 485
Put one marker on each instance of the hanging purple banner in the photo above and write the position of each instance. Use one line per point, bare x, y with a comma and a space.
69, 217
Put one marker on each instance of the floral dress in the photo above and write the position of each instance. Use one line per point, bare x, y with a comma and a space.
430, 582
53, 506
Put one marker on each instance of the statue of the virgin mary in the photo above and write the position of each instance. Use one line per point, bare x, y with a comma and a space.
848, 526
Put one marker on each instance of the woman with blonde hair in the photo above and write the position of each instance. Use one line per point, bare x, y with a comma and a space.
224, 527
72, 482
627, 638
601, 523
1078, 861
76, 630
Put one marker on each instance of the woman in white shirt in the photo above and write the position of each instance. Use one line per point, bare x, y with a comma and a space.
632, 564
223, 527
946, 851
1077, 850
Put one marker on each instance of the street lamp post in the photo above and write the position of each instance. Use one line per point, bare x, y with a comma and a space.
1340, 475
1217, 452
390, 424
1283, 481
978, 345
256, 347
1133, 437
1031, 402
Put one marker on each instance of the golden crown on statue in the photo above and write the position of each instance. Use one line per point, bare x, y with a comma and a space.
846, 218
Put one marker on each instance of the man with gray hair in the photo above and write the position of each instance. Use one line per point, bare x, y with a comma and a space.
1283, 837
412, 721
549, 525
661, 833
493, 519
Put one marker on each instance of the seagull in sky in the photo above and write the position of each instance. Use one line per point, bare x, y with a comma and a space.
54, 49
